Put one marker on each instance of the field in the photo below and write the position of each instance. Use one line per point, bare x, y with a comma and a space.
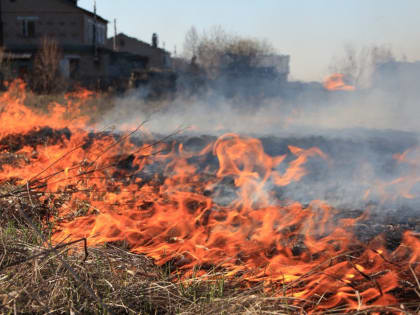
100, 222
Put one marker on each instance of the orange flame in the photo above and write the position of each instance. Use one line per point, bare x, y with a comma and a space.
335, 82
404, 186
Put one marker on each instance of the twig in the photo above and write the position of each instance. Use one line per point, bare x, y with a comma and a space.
30, 183
161, 140
47, 252
65, 264
366, 276
80, 145
415, 277
359, 301
121, 139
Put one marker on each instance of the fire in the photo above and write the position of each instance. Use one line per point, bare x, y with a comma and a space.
215, 206
335, 82
406, 186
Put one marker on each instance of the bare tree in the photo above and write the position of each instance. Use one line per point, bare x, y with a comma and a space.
211, 48
357, 66
46, 72
250, 50
191, 43
215, 47
233, 65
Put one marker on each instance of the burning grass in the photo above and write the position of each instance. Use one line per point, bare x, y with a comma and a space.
113, 280
109, 279
97, 221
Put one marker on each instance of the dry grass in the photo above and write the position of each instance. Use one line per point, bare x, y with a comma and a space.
122, 282
94, 107
46, 75
98, 105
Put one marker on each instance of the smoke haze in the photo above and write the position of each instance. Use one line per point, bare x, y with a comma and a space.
360, 131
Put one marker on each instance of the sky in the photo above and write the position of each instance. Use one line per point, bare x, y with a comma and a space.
313, 32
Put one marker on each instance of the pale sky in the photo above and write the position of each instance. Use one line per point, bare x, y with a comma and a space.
312, 32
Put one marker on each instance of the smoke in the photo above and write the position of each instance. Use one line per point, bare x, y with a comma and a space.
213, 116
297, 107
369, 109
361, 131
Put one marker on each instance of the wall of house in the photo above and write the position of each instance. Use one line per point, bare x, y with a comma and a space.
85, 68
27, 21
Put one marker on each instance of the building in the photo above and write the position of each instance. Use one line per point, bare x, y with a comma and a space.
86, 55
251, 76
157, 57
81, 36
155, 72
397, 76
26, 21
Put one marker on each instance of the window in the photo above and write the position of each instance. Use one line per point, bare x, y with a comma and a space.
100, 32
28, 26
90, 29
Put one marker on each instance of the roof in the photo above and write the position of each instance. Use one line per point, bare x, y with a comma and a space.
87, 12
122, 35
93, 15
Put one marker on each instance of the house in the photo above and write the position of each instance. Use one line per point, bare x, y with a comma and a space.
155, 72
157, 57
397, 76
251, 76
81, 36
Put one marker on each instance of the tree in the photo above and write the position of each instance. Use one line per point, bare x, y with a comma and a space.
211, 48
249, 51
46, 69
191, 43
235, 66
216, 47
357, 66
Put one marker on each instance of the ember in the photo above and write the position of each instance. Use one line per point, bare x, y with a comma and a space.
211, 205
